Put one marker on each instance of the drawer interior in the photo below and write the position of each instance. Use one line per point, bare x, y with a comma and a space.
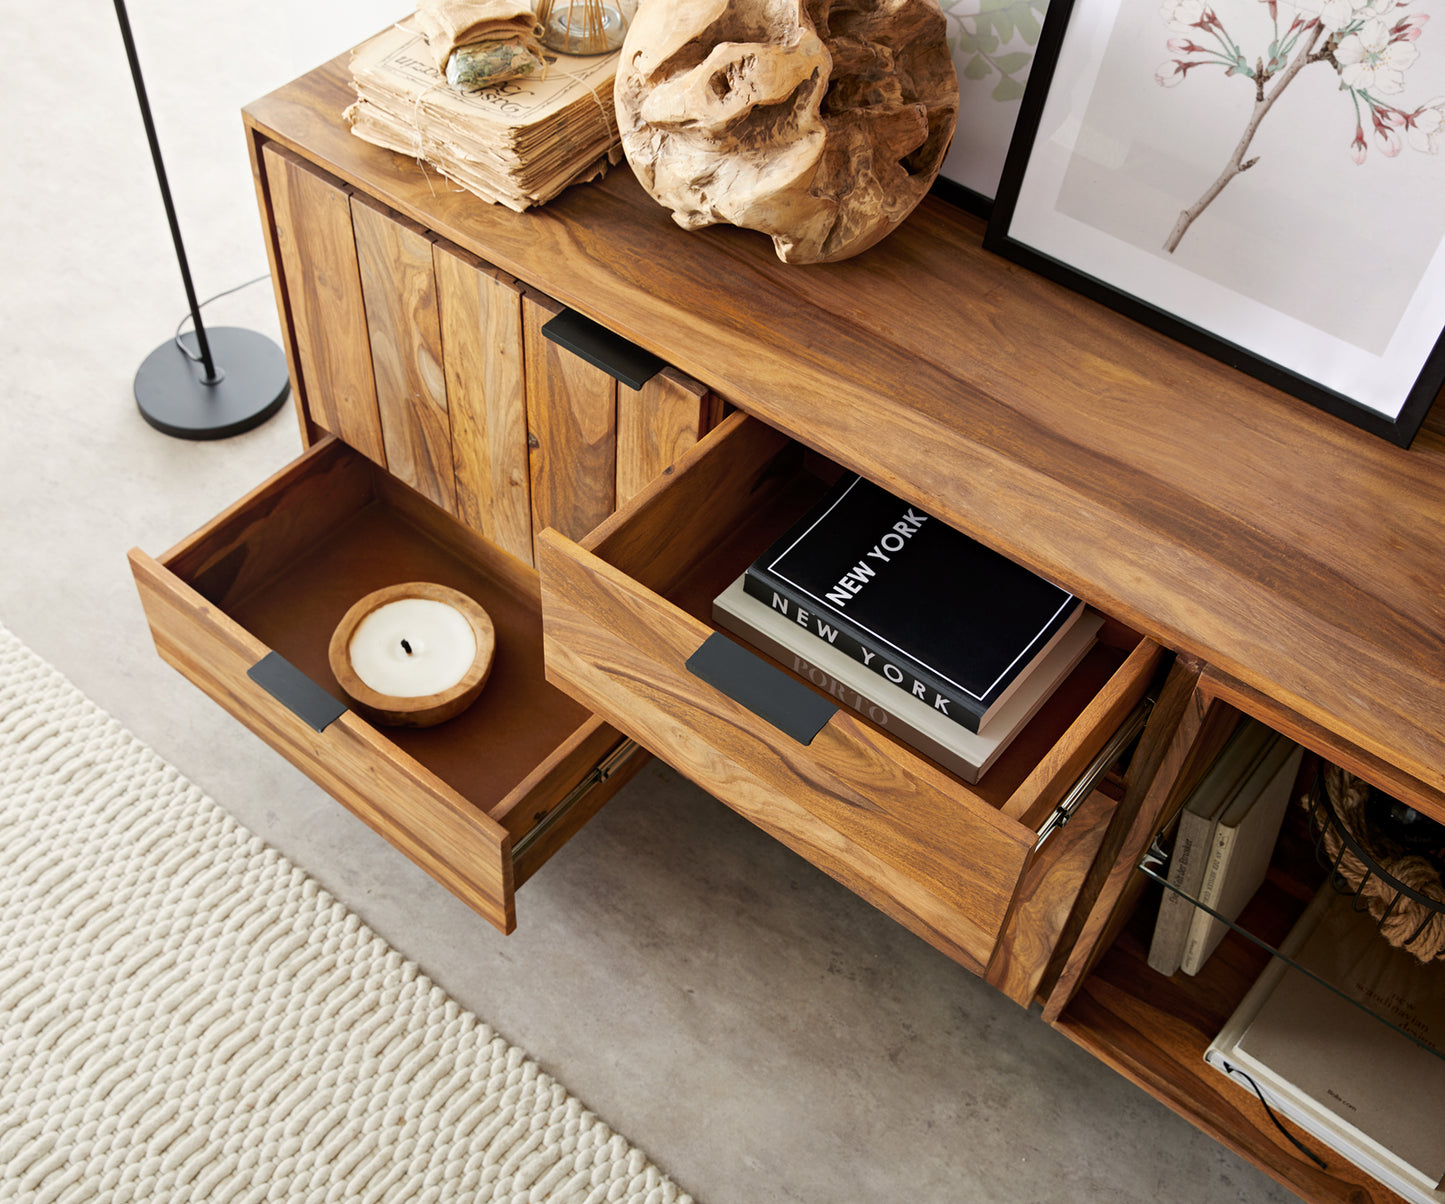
716, 542
288, 562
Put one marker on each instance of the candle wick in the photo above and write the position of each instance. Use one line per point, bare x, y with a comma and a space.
406, 647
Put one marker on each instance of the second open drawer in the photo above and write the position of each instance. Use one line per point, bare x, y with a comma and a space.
961, 865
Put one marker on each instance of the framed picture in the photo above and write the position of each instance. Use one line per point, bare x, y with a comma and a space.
993, 44
1261, 179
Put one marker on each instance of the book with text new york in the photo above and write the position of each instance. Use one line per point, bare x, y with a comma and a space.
919, 603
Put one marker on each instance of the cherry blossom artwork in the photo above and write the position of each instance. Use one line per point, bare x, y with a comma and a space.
1261, 179
1370, 47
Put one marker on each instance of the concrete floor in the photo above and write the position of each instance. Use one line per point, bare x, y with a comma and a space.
761, 1033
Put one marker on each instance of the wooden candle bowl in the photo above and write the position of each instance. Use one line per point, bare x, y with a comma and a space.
424, 710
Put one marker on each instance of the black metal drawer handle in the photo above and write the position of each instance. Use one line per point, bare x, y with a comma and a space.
764, 689
295, 691
602, 348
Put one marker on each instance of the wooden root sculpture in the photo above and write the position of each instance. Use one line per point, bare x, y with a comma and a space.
821, 123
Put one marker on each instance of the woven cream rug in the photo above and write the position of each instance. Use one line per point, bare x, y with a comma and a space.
184, 1015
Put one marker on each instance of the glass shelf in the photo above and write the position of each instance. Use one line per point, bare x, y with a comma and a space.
1155, 866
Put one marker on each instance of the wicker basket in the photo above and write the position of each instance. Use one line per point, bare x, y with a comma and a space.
1387, 856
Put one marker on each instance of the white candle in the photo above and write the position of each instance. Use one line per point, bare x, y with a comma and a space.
412, 648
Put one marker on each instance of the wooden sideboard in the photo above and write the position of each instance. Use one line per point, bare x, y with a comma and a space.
1250, 555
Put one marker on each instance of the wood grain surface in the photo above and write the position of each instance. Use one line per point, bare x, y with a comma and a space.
1293, 563
571, 429
457, 844
481, 323
1046, 894
399, 289
656, 424
944, 858
279, 570
317, 250
884, 825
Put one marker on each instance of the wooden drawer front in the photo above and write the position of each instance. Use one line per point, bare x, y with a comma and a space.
275, 573
350, 760
624, 613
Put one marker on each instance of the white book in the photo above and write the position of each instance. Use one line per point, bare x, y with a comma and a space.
910, 719
1341, 1073
1239, 854
1192, 836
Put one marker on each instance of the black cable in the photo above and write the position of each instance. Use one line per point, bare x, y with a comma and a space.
196, 359
1278, 1124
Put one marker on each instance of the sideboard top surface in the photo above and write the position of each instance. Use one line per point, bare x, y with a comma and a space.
1222, 517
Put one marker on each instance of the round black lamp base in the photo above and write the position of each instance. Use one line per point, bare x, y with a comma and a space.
251, 383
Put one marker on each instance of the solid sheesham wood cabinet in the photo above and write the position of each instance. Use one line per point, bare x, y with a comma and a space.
1249, 556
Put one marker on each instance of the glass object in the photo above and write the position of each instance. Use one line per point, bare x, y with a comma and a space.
581, 26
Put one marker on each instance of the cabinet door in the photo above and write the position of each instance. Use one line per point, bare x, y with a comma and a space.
397, 284
572, 430
481, 329
433, 365
657, 424
324, 308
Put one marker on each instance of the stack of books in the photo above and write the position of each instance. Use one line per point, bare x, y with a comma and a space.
1225, 837
1358, 1063
517, 143
941, 641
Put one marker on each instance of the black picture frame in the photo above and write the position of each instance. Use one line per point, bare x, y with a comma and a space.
1028, 225
961, 196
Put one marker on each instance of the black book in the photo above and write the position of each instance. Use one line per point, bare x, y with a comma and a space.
919, 603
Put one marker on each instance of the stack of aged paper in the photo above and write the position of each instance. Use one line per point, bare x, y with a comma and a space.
518, 143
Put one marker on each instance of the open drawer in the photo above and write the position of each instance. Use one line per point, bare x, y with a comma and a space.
963, 866
245, 609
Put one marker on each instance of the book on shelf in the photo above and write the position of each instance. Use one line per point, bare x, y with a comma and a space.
1242, 846
921, 605
1360, 1063
1189, 858
909, 719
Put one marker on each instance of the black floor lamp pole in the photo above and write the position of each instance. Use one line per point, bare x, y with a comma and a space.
209, 397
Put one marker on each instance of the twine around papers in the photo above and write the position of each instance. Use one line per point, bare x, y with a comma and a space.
605, 113
400, 100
